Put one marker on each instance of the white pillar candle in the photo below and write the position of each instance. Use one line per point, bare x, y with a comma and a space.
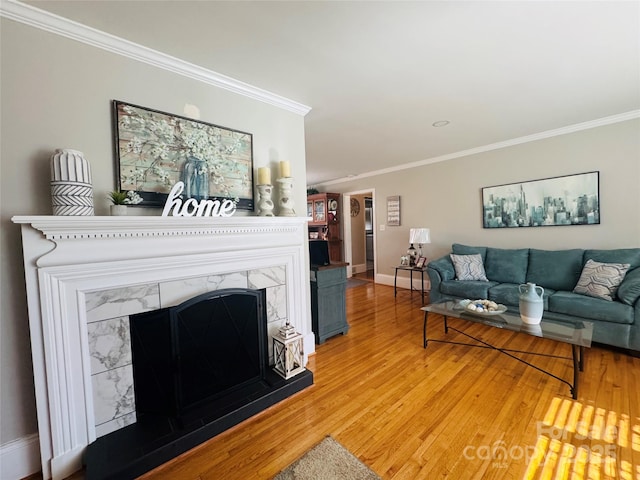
285, 169
264, 176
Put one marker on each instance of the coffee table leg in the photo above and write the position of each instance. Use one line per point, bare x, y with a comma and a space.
424, 330
446, 327
577, 367
581, 358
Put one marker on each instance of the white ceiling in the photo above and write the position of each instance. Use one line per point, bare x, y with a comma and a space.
377, 75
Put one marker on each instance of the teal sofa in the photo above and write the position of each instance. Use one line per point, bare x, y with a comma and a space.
616, 322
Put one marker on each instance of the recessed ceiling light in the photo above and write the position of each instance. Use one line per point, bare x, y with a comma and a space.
441, 123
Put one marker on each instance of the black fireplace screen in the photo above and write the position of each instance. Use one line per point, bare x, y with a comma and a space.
198, 351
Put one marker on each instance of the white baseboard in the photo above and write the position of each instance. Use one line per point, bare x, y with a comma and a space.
361, 268
309, 345
20, 458
384, 279
404, 282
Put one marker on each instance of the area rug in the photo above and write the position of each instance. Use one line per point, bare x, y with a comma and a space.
327, 461
355, 282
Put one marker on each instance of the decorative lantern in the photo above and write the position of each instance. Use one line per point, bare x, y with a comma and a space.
288, 352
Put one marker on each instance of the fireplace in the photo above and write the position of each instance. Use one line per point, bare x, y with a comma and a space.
88, 276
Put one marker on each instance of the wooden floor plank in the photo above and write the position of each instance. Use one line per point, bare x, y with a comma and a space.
411, 413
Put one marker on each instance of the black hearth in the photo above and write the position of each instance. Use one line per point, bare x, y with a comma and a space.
199, 368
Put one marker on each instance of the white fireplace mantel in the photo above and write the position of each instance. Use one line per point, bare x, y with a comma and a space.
69, 257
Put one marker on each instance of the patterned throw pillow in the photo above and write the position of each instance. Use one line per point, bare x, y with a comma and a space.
469, 267
601, 280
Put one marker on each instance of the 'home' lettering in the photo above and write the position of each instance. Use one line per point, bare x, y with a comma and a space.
192, 208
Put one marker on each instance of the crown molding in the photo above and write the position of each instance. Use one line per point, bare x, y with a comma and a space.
600, 122
35, 17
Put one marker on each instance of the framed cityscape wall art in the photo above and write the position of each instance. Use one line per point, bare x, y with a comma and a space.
566, 200
154, 150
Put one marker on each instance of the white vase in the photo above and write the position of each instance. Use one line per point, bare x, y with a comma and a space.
118, 210
71, 189
531, 303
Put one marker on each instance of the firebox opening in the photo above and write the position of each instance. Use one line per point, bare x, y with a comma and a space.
203, 350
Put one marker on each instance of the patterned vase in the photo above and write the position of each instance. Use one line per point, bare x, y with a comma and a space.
71, 189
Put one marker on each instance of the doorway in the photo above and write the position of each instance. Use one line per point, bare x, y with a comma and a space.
368, 234
359, 233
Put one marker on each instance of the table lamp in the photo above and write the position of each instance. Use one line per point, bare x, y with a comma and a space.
419, 236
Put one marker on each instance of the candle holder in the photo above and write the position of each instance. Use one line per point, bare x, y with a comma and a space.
285, 201
265, 204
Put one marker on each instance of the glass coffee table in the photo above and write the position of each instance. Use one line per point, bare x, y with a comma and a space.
577, 334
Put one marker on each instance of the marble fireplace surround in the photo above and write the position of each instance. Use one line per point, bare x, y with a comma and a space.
77, 269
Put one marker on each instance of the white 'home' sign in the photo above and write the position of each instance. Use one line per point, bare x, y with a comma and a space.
194, 208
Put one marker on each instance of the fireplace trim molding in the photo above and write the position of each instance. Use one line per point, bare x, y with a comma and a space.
66, 257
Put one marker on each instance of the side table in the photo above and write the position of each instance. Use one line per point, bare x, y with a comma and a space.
410, 270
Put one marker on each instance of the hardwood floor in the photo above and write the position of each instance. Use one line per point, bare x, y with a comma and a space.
447, 411
369, 275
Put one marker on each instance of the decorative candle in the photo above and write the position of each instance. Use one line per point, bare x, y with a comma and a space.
264, 176
285, 170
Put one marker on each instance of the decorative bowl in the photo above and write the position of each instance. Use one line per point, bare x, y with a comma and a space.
483, 303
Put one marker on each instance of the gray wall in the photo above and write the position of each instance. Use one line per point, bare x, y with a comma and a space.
446, 196
56, 93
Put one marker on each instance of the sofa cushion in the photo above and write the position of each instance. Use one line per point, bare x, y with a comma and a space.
558, 270
629, 290
620, 255
509, 294
471, 289
506, 265
459, 249
468, 267
601, 280
590, 308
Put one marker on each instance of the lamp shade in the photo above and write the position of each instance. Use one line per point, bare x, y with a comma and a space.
419, 236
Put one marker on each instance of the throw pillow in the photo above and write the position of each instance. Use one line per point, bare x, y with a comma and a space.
469, 267
601, 280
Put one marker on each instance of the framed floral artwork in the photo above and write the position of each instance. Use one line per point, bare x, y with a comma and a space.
154, 150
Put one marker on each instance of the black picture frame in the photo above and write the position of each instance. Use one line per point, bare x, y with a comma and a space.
555, 201
154, 150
